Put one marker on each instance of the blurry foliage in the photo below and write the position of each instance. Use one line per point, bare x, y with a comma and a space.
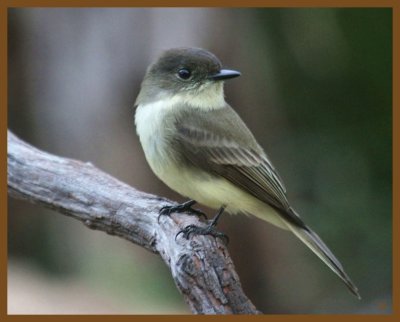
342, 123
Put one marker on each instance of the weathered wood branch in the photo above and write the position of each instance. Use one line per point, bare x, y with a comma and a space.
201, 267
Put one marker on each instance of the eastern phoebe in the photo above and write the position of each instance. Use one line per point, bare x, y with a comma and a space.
197, 145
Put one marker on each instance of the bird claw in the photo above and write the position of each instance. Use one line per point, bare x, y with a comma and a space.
208, 230
185, 207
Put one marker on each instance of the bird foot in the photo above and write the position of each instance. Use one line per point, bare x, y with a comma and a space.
185, 207
208, 230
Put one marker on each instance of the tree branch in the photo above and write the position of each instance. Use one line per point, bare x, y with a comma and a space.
201, 267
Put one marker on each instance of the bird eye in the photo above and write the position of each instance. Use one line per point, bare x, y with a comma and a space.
184, 73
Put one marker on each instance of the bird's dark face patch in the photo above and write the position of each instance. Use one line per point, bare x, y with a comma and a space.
184, 69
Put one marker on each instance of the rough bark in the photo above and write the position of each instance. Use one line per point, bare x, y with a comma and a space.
201, 266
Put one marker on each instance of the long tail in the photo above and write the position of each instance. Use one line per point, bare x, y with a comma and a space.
312, 240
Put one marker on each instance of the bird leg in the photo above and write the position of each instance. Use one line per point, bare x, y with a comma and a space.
207, 230
184, 207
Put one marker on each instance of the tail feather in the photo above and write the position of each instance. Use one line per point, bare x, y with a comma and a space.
312, 240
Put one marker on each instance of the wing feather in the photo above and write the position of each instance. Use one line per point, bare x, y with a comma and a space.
249, 169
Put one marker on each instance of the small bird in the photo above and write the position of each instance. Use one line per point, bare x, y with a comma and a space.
199, 146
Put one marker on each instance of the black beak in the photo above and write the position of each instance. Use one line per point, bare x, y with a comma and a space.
224, 74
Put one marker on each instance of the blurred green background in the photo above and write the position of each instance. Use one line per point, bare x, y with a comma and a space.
316, 90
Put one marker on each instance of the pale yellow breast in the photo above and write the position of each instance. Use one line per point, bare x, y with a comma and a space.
153, 125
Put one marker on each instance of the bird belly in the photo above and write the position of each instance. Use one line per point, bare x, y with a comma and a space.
153, 128
215, 192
